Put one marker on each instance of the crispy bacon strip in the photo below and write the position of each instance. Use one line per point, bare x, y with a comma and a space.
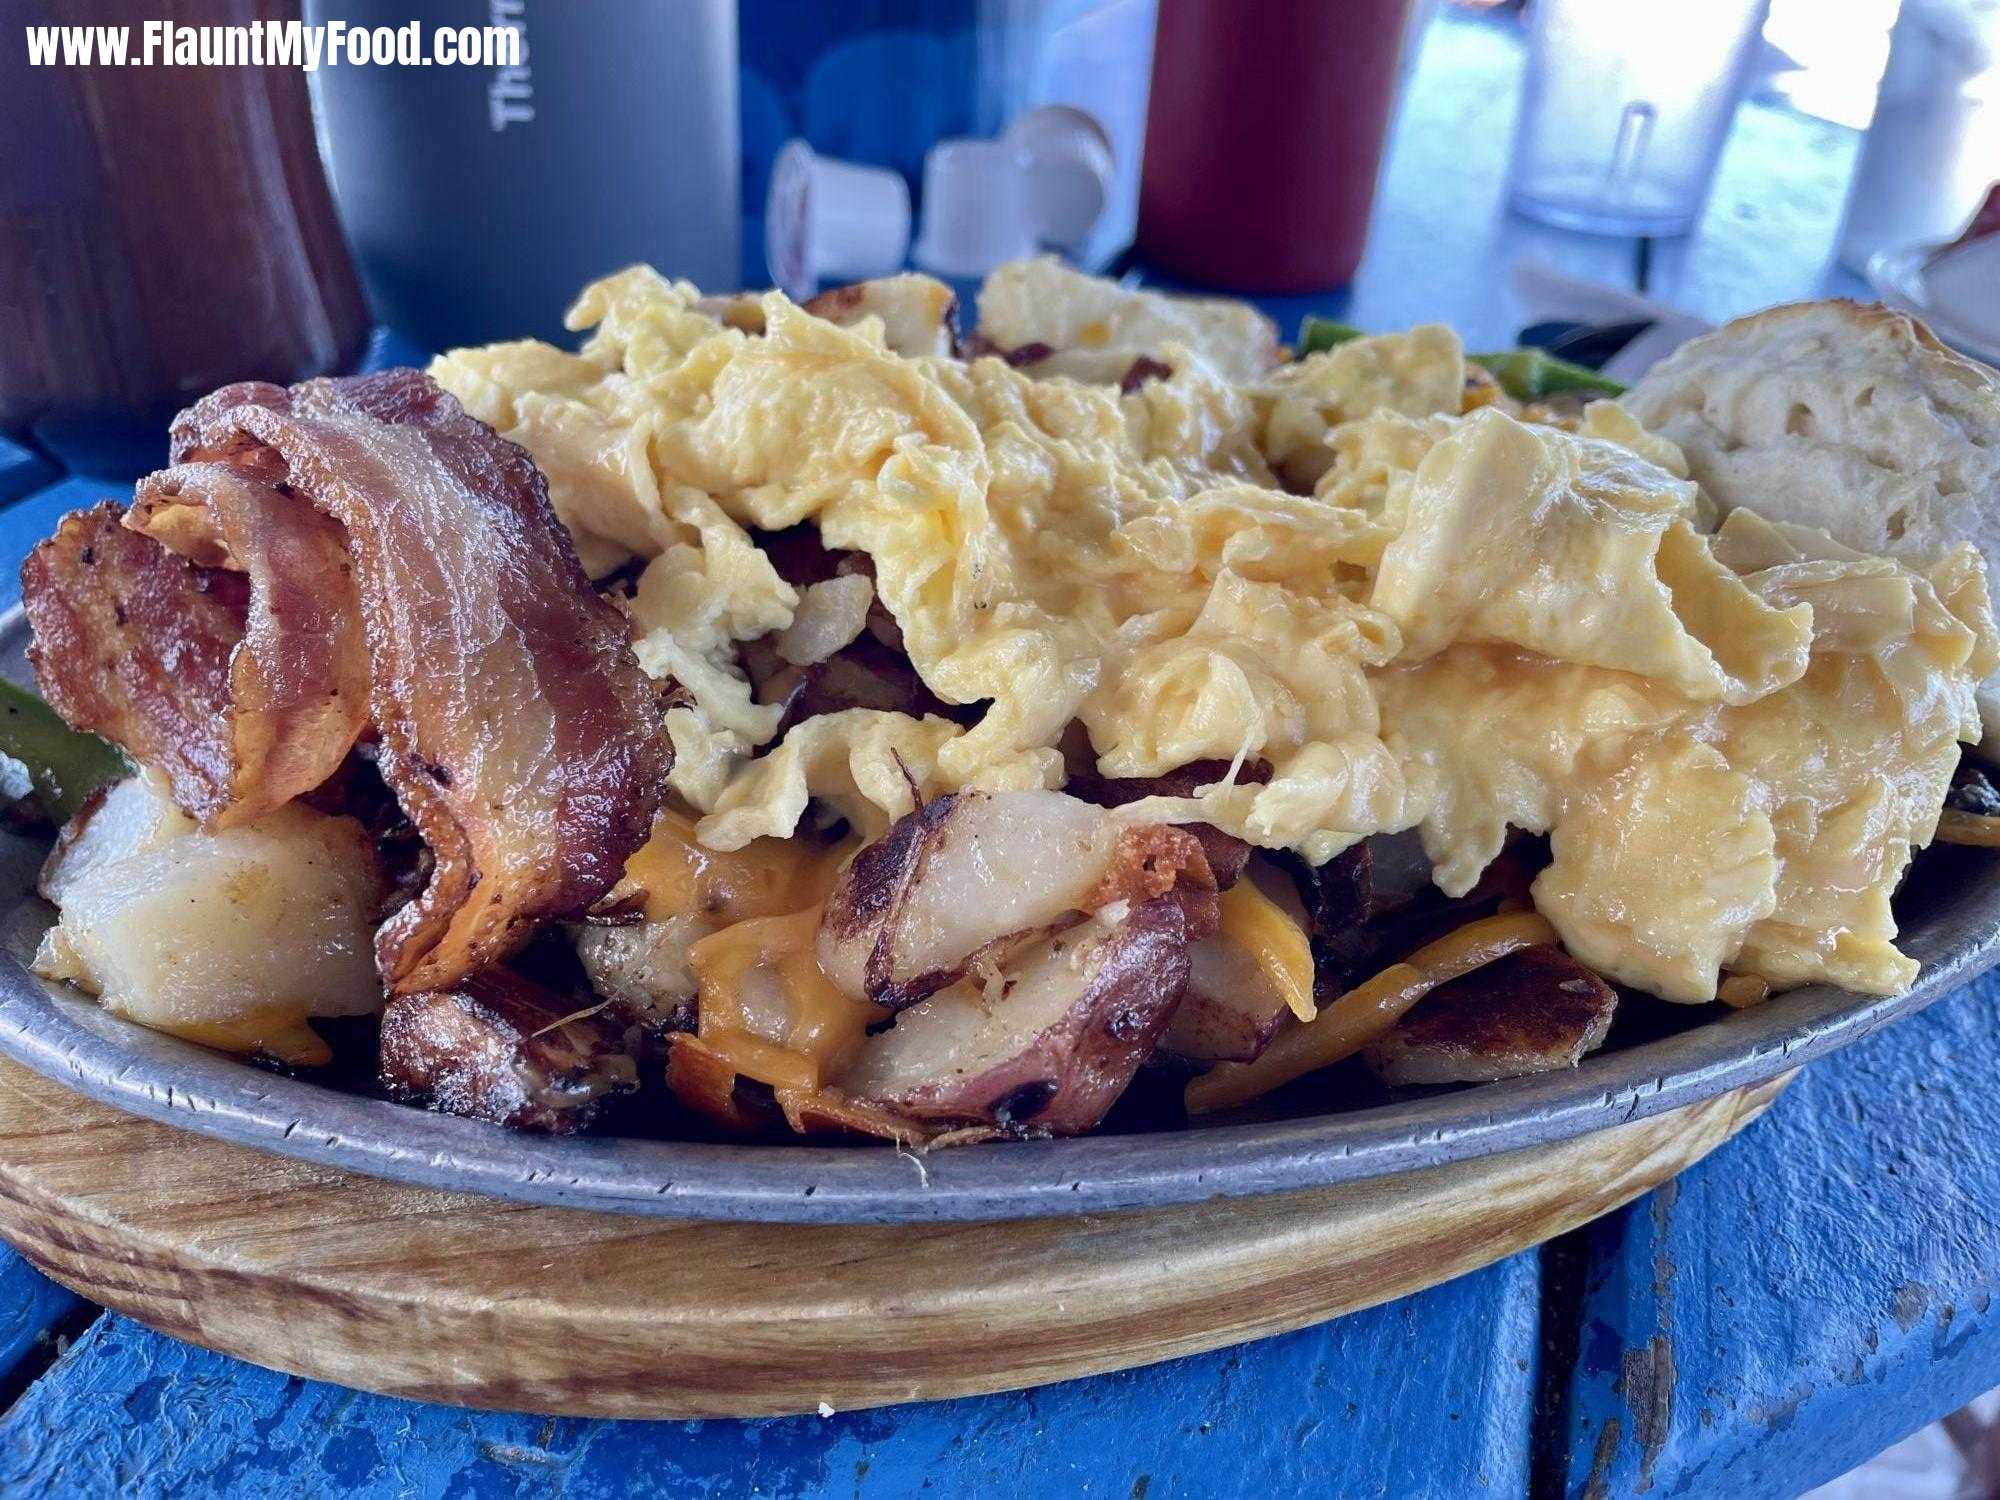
134, 643
517, 729
298, 682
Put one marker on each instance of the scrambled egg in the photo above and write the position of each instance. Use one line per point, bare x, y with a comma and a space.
1471, 623
1093, 329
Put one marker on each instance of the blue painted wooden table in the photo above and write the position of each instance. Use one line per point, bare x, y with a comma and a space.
1814, 1290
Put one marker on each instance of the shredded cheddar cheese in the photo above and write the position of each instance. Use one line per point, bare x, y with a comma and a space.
280, 1032
1741, 991
1275, 943
752, 1056
1477, 944
765, 878
1366, 1012
766, 1006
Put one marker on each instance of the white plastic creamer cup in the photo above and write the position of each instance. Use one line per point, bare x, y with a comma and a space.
1067, 157
830, 220
975, 213
1963, 283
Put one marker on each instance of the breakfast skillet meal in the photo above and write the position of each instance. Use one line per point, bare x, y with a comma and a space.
799, 718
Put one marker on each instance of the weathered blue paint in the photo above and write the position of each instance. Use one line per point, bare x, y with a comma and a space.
1813, 1291
1426, 1396
31, 1306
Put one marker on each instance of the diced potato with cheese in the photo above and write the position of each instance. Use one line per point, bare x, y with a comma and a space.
1248, 977
1047, 1046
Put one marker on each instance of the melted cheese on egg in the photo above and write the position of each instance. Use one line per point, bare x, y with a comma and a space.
766, 1009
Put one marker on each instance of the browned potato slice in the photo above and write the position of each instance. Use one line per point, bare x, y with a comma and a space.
501, 1048
1046, 1047
644, 966
1231, 1009
976, 873
1237, 994
1531, 1012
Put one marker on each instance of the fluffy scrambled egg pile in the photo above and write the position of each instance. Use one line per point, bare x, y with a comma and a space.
1417, 615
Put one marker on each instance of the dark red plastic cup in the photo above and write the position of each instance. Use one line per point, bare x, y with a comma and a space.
1263, 138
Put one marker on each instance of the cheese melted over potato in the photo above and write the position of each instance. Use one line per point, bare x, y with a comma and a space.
1471, 623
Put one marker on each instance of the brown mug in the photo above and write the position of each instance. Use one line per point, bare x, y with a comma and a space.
163, 230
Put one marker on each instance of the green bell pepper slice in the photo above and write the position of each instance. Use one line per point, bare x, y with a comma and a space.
59, 767
1530, 374
1319, 334
1524, 374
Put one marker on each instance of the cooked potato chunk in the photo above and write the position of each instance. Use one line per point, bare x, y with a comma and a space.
645, 966
1047, 1046
230, 938
973, 873
1531, 1012
126, 818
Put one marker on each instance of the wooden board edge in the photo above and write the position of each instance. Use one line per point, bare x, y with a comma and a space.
1240, 1270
